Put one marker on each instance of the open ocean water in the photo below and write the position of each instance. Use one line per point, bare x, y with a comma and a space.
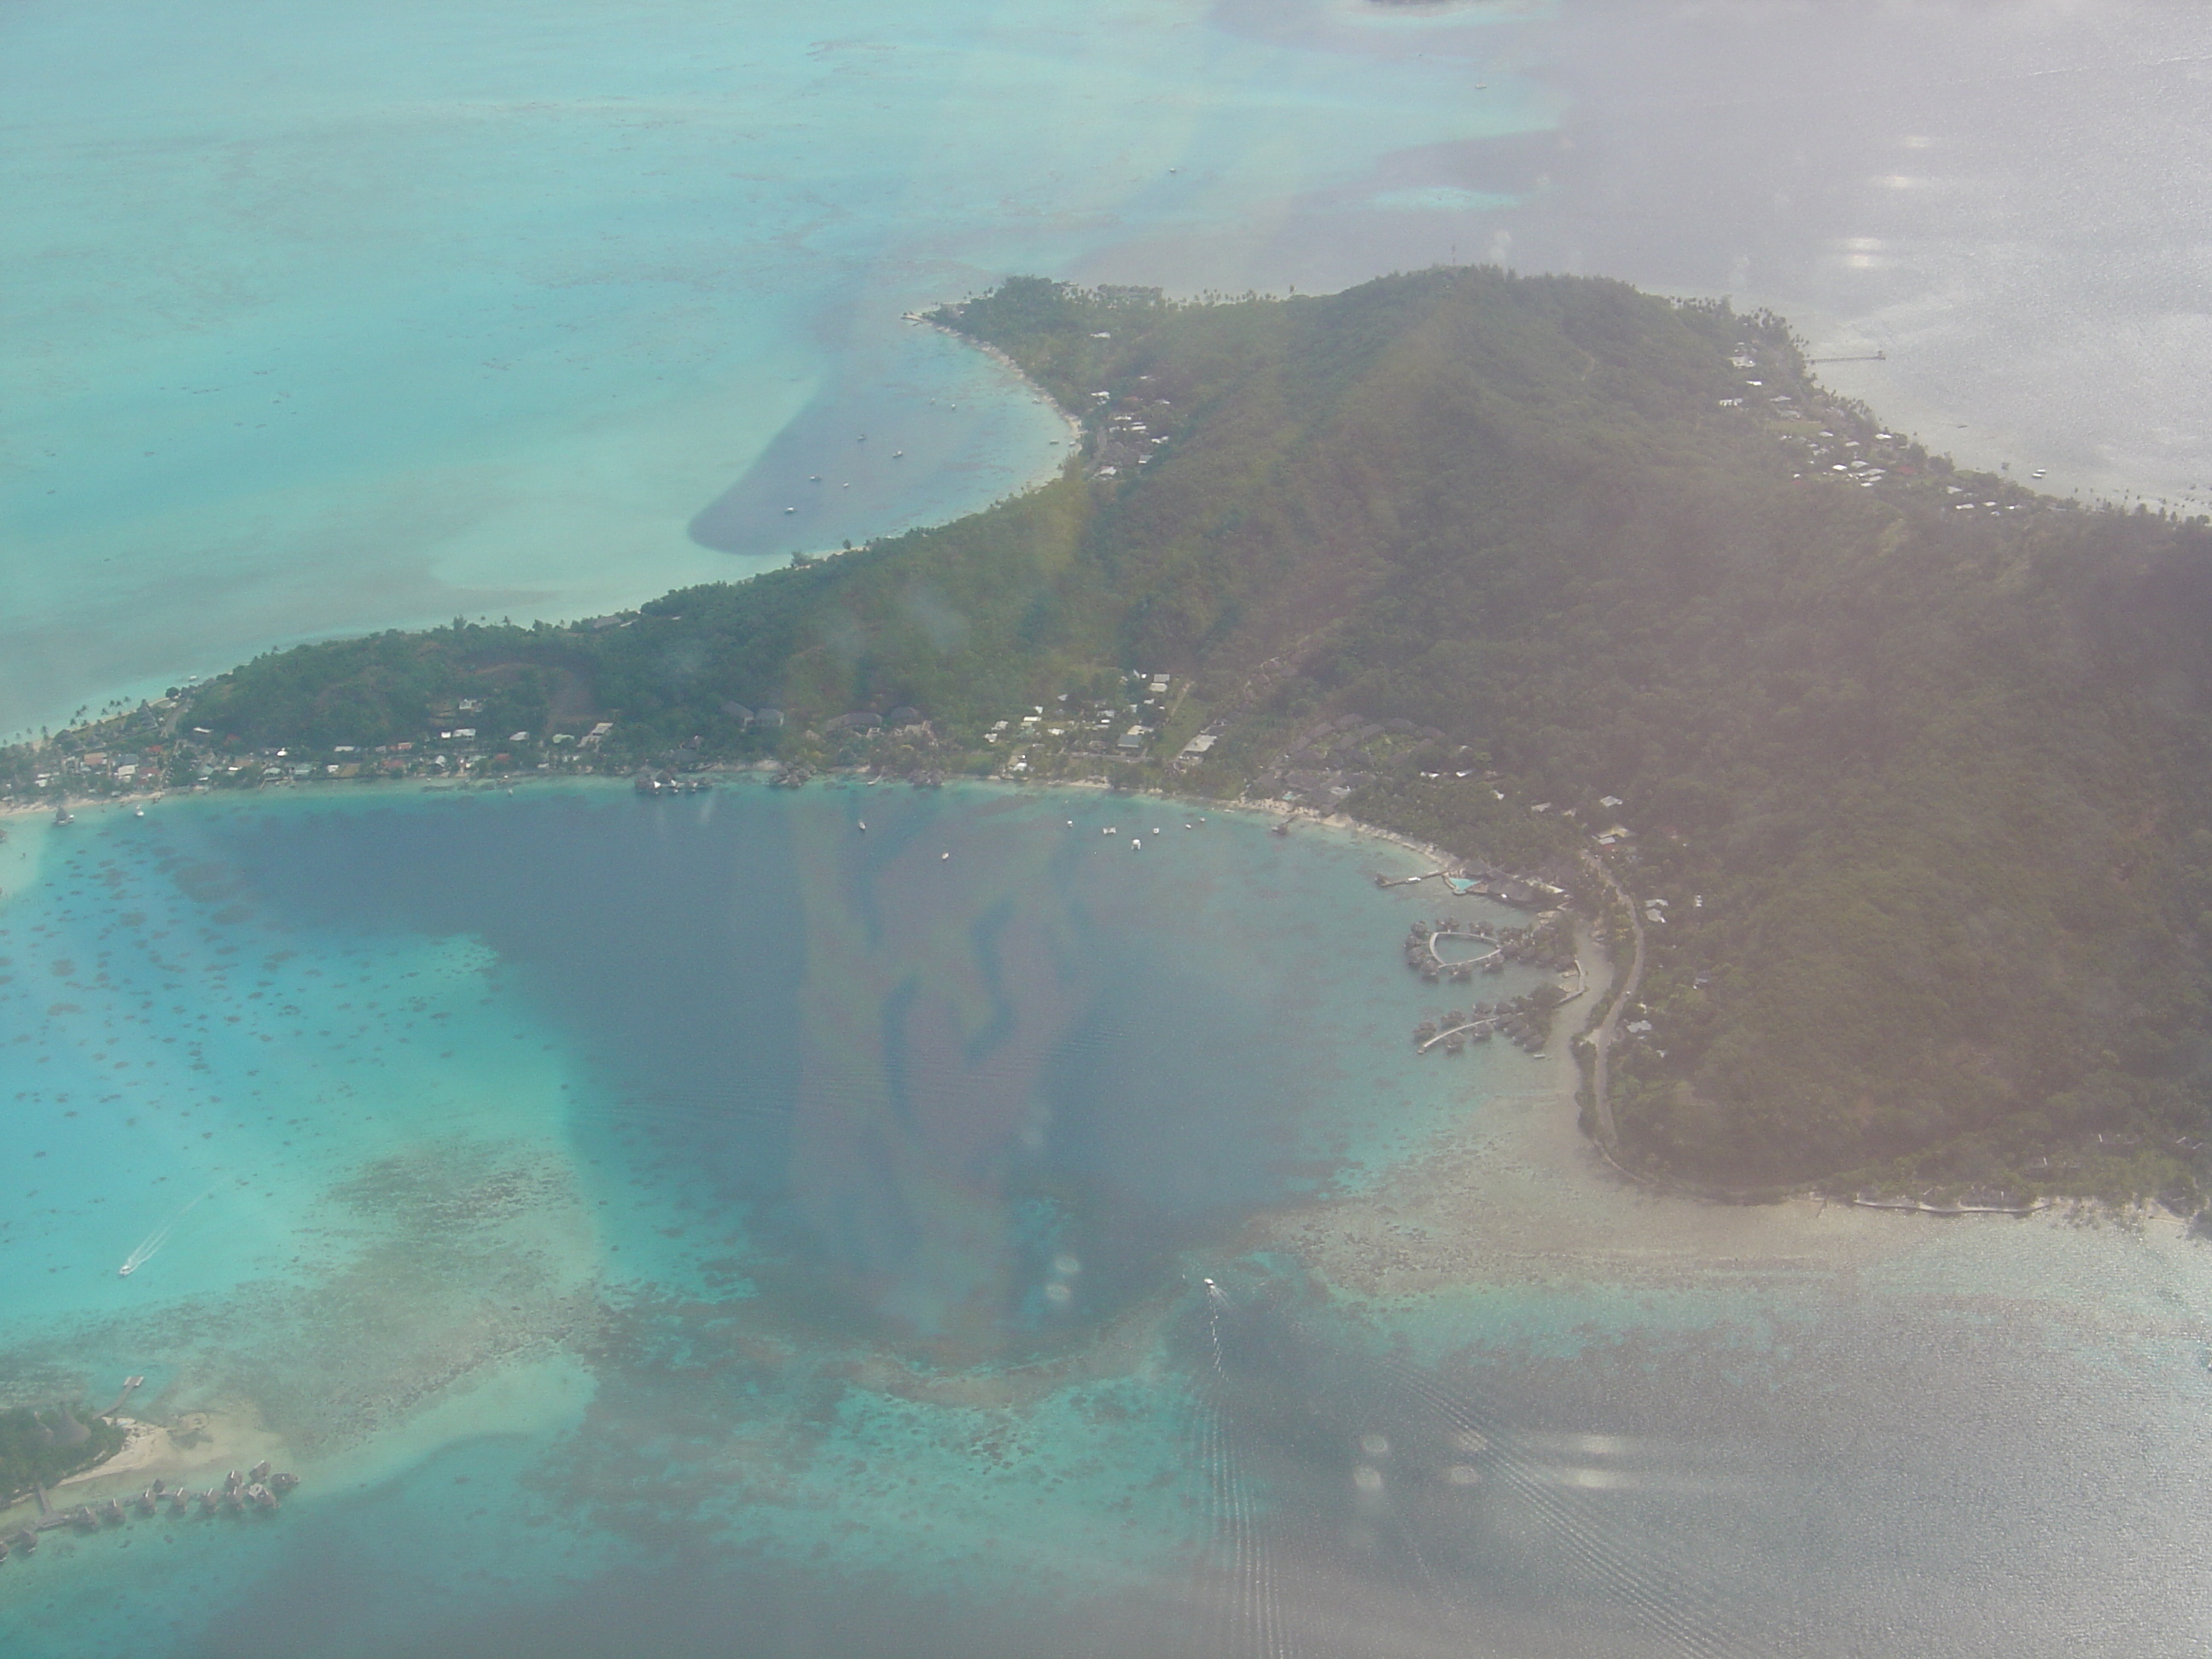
704, 1225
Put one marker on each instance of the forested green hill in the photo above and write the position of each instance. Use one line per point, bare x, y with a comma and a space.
39, 1448
1916, 760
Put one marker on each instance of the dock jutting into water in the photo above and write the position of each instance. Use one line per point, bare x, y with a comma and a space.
259, 1492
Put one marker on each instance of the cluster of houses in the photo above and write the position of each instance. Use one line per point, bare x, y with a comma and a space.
452, 747
1131, 435
1036, 743
101, 771
897, 742
1537, 946
259, 1492
1524, 1022
1548, 943
1332, 760
1841, 444
455, 746
864, 721
1423, 955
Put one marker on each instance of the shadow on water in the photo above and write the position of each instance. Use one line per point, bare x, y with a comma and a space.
1002, 1065
905, 425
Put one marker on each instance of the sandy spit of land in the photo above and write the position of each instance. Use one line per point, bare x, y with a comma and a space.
197, 1450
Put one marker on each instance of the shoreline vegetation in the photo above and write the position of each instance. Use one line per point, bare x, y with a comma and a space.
1896, 770
132, 1476
45, 1447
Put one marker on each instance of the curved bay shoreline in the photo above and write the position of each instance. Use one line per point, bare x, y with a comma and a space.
1512, 1195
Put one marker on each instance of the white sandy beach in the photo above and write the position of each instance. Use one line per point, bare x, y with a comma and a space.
197, 1448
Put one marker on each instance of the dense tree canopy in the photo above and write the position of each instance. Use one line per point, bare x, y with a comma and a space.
42, 1447
1915, 759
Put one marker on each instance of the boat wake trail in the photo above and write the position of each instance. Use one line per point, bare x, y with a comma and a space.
154, 1241
1243, 1590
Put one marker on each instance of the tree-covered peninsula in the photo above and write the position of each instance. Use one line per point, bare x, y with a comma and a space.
39, 1448
1905, 767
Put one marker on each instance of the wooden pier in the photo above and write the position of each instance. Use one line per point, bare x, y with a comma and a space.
130, 1384
239, 1495
1423, 956
1478, 1029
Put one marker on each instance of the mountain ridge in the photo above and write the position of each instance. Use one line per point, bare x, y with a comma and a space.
1912, 760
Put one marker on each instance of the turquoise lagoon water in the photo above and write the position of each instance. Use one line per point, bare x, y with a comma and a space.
719, 1133
316, 320
704, 1225
215, 1007
698, 1226
371, 313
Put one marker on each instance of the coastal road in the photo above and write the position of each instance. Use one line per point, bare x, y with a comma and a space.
1603, 1037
